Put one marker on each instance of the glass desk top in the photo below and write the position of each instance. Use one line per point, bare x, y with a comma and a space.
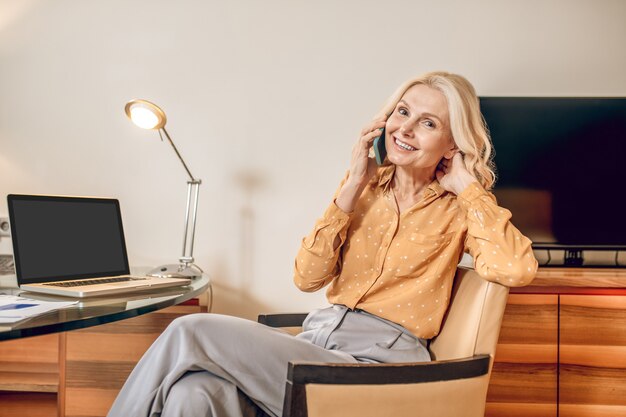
97, 310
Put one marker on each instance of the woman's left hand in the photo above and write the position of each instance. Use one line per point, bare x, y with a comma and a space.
452, 174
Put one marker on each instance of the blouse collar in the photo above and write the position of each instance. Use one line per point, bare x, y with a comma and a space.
386, 175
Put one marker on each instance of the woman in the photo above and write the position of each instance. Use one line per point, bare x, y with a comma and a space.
387, 245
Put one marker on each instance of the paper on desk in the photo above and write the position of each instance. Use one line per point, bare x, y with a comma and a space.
14, 308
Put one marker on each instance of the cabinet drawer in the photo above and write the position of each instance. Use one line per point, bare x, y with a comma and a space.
524, 376
592, 372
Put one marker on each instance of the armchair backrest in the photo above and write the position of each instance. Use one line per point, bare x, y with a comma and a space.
472, 324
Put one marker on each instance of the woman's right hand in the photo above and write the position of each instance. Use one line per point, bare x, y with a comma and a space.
362, 167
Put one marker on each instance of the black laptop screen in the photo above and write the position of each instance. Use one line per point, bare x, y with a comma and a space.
58, 238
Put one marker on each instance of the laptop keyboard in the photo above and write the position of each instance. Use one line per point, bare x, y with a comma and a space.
91, 282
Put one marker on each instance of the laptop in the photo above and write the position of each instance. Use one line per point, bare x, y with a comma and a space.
73, 246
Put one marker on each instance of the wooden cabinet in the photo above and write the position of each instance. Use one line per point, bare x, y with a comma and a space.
562, 347
524, 376
29, 376
77, 373
592, 357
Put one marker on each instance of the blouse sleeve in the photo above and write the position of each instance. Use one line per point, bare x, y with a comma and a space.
501, 253
317, 262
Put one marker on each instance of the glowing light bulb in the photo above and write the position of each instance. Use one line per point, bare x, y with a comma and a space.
143, 117
145, 114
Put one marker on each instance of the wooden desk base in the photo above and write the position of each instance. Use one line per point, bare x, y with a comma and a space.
77, 373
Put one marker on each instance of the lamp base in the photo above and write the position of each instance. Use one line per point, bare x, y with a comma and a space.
176, 271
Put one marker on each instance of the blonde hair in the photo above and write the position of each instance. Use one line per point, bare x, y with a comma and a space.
467, 124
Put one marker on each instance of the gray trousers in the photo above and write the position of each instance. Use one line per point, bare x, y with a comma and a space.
209, 365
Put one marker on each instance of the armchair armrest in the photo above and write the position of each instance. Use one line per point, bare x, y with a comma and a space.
387, 373
464, 375
282, 320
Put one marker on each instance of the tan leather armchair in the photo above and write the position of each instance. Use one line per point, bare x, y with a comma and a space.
453, 385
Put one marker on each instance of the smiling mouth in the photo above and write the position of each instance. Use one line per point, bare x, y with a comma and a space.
403, 145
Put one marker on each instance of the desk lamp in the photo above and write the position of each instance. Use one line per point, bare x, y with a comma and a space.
148, 115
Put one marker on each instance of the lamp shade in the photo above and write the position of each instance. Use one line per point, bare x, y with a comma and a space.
145, 114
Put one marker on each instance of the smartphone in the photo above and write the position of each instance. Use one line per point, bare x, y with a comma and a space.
380, 151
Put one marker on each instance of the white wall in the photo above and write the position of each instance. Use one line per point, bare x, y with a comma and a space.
264, 100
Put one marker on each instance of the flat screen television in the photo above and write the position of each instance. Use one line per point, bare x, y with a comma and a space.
561, 167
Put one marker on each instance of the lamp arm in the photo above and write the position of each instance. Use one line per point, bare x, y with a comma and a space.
178, 154
193, 188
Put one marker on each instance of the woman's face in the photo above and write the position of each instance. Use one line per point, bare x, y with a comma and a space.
418, 131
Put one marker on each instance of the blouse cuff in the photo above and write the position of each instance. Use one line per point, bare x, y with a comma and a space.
471, 193
334, 214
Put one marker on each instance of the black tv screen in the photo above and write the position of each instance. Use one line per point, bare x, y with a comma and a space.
561, 166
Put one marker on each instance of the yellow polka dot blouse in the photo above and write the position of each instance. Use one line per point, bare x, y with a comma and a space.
401, 266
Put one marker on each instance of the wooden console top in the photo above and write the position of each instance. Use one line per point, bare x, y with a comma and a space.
577, 280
